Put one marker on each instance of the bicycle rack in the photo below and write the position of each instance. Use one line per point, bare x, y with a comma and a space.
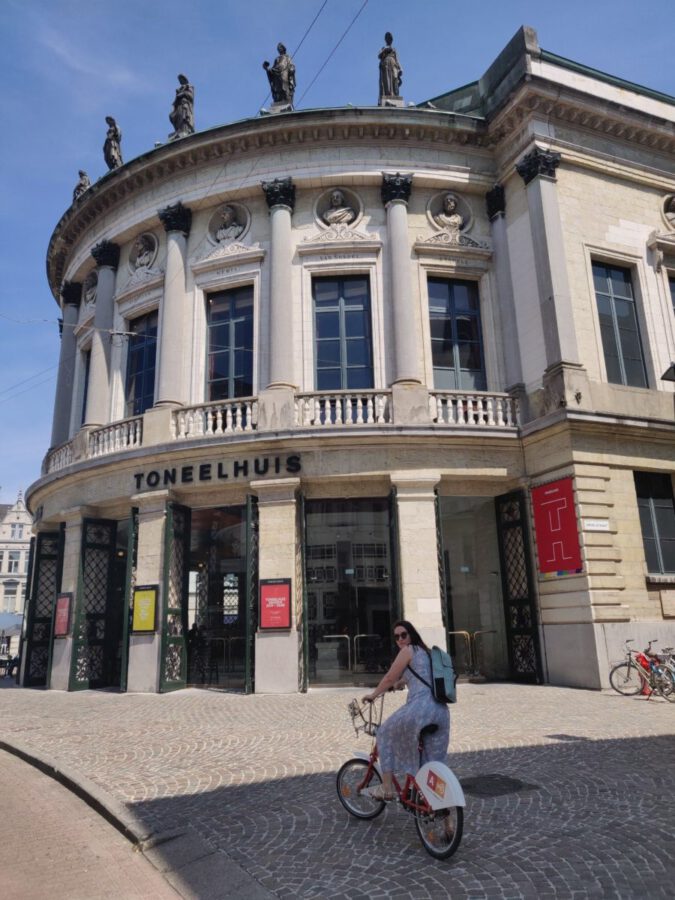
341, 637
471, 642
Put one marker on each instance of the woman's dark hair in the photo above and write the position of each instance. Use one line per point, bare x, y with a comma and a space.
415, 638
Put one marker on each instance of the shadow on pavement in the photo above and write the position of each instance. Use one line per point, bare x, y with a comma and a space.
573, 818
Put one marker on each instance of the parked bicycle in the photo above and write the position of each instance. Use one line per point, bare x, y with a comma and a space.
434, 795
644, 671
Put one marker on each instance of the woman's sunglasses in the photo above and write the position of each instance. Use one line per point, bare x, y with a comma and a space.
400, 635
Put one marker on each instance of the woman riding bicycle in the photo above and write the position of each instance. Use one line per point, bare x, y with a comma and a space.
398, 737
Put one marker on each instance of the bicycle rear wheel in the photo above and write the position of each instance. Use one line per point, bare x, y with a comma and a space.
664, 682
626, 679
352, 789
439, 830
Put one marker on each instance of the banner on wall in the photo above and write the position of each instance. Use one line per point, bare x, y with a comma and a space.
555, 527
62, 612
275, 603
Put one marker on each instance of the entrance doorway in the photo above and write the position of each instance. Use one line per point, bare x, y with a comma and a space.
217, 599
475, 609
349, 590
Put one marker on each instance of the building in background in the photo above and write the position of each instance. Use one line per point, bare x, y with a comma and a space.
324, 369
15, 534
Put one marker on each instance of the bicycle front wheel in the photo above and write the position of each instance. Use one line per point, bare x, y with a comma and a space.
626, 679
353, 784
439, 830
665, 683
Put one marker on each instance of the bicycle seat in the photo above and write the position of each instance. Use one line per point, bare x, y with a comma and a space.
428, 729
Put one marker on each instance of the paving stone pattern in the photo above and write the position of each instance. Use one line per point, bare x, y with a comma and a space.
579, 802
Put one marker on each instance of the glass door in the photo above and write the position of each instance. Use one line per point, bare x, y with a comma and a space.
349, 597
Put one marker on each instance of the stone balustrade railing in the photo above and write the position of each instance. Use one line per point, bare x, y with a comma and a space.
478, 409
58, 458
215, 419
116, 437
343, 408
333, 409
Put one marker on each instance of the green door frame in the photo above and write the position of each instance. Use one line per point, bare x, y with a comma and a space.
251, 587
44, 584
173, 654
132, 548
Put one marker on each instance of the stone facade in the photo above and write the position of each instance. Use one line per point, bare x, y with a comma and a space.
15, 534
481, 372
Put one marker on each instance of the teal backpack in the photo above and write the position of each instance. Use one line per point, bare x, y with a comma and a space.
443, 678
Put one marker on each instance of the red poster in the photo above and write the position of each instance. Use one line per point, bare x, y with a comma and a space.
555, 525
62, 615
275, 603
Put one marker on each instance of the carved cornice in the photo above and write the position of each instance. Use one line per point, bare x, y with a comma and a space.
538, 162
106, 253
71, 293
395, 187
279, 192
227, 255
339, 239
465, 256
176, 217
495, 202
143, 279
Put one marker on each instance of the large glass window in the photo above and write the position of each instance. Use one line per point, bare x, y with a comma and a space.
657, 520
16, 531
10, 596
86, 362
343, 345
13, 561
456, 343
142, 354
671, 283
619, 325
230, 344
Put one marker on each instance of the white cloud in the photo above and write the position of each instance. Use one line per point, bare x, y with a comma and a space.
81, 63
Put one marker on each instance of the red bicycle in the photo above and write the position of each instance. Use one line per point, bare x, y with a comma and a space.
434, 795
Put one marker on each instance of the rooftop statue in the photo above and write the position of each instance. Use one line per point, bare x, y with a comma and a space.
338, 213
112, 151
391, 73
82, 185
281, 77
182, 115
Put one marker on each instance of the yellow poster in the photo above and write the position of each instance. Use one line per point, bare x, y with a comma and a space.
145, 602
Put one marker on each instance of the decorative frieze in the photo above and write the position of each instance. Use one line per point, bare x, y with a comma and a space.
106, 253
495, 202
279, 192
538, 162
396, 187
176, 217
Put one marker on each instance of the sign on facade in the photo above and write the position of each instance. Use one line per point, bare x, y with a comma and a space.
555, 526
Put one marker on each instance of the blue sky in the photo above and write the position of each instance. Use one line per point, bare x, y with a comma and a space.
69, 63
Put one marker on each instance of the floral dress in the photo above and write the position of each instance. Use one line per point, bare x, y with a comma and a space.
397, 738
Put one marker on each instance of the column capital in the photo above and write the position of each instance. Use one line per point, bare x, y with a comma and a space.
538, 162
176, 217
71, 293
280, 192
106, 253
495, 202
396, 187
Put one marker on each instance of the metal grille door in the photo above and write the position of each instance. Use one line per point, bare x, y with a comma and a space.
89, 666
252, 546
518, 588
45, 584
173, 672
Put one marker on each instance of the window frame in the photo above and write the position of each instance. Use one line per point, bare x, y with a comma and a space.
455, 316
210, 293
343, 307
129, 323
616, 331
653, 520
13, 562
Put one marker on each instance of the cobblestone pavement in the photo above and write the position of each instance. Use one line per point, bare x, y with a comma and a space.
588, 813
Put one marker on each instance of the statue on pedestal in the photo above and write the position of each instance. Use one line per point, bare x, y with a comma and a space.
112, 151
82, 185
182, 115
391, 73
281, 76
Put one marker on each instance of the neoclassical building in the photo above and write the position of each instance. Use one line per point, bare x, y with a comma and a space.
324, 369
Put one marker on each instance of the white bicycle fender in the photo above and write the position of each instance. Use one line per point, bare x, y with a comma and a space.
440, 786
359, 754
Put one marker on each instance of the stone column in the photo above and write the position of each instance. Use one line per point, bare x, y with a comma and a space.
171, 381
395, 196
418, 553
71, 294
144, 649
565, 381
72, 549
280, 196
107, 256
495, 202
277, 653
